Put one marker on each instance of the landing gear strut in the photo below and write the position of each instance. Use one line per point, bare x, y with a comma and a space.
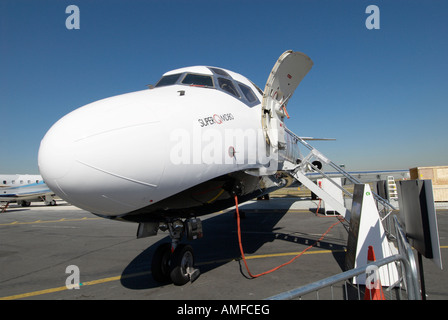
175, 262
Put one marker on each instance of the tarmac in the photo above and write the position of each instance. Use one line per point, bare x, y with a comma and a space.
40, 245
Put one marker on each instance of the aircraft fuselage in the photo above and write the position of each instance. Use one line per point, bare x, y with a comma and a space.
179, 149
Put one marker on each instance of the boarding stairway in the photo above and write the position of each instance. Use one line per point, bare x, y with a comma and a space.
372, 225
312, 163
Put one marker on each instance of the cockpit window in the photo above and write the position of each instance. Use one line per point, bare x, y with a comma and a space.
217, 79
227, 85
220, 72
168, 80
248, 93
256, 87
198, 80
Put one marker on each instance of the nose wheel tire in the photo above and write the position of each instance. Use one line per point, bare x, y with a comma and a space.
182, 265
177, 267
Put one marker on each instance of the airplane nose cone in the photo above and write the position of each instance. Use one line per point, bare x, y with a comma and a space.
56, 152
106, 157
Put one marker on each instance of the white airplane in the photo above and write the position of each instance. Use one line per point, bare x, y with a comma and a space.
198, 141
13, 180
27, 193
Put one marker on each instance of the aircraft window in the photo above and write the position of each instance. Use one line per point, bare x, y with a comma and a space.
168, 80
248, 93
198, 80
256, 87
227, 85
220, 72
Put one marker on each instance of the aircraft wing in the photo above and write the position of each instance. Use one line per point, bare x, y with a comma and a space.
358, 176
364, 176
317, 139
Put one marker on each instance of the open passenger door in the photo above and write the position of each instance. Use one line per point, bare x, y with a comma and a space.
288, 72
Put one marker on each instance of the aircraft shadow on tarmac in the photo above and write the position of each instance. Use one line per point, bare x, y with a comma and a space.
220, 245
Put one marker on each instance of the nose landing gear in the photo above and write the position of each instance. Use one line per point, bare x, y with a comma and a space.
175, 262
182, 268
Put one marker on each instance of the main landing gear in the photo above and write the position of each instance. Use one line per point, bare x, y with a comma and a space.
174, 262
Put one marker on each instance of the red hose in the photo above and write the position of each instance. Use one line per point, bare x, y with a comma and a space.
282, 265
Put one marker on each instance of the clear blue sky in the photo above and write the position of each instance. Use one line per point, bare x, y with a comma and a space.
383, 94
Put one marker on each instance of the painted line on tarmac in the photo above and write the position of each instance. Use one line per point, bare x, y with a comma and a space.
16, 223
117, 278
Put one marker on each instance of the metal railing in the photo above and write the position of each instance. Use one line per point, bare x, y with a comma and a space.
385, 208
314, 153
404, 260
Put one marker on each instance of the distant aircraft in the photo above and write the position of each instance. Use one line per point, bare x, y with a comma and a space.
25, 194
198, 141
13, 180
